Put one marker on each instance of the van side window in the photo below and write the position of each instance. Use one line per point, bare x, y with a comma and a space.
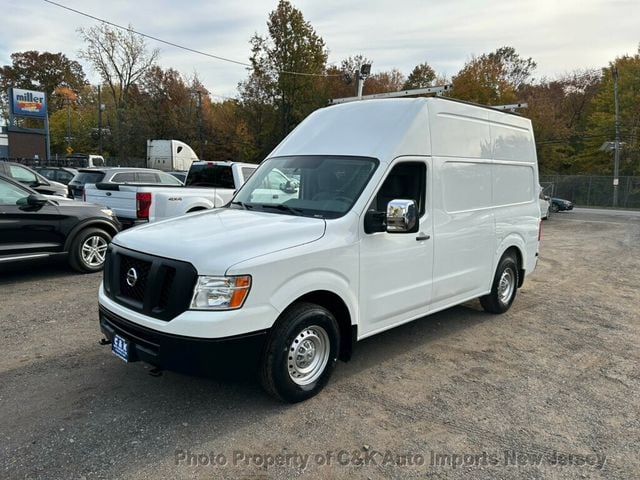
406, 181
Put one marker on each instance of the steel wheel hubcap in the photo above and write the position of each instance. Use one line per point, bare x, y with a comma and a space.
506, 285
94, 250
308, 355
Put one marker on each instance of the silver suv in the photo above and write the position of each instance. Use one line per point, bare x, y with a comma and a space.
145, 176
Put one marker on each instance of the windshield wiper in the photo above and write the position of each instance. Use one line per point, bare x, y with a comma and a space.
282, 207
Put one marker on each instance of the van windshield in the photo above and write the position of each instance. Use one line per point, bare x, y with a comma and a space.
312, 186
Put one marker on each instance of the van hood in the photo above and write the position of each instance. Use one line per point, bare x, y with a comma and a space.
214, 240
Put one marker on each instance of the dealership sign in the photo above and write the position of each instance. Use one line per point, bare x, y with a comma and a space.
28, 103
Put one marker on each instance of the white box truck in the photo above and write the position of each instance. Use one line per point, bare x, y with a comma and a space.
397, 209
170, 155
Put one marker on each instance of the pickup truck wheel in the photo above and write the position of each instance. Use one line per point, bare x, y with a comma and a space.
504, 288
88, 250
301, 353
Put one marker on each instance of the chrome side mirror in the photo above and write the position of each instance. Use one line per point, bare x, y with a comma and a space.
402, 216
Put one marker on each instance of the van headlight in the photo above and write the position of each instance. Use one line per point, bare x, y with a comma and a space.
220, 293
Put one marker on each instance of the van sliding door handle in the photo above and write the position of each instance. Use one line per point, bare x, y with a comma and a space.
422, 237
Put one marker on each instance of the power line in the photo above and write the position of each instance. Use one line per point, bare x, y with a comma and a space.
176, 45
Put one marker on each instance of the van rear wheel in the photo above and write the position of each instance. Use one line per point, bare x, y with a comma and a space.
504, 287
300, 353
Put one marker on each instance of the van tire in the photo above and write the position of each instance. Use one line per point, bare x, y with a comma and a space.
300, 353
82, 256
504, 287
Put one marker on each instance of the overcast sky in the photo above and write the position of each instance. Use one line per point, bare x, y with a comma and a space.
560, 35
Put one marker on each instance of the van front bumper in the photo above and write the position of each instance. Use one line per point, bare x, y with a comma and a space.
180, 353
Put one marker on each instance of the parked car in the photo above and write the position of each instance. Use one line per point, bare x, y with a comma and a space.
32, 179
118, 175
37, 226
559, 204
58, 174
545, 206
545, 203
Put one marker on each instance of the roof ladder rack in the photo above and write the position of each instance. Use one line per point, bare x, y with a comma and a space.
511, 107
437, 90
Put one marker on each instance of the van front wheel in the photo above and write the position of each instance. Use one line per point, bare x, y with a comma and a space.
301, 353
504, 288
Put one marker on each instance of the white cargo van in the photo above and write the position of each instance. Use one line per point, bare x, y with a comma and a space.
396, 209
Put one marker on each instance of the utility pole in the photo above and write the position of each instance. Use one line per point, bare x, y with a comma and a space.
616, 162
100, 108
199, 105
68, 124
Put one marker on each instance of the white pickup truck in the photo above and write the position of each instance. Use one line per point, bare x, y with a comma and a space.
208, 185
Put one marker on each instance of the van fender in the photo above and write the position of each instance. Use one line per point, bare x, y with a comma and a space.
511, 240
315, 281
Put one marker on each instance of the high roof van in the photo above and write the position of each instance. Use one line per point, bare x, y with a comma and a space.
391, 210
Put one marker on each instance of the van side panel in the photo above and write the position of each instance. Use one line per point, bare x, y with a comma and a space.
464, 236
464, 229
515, 180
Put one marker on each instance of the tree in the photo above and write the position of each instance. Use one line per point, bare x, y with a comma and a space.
559, 110
166, 104
44, 71
383, 82
601, 121
422, 76
121, 59
228, 136
285, 82
76, 120
494, 78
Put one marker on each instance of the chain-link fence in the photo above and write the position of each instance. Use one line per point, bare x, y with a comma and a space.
592, 191
62, 161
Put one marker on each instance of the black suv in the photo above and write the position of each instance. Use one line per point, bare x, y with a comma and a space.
37, 226
26, 176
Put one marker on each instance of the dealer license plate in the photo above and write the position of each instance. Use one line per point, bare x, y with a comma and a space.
120, 347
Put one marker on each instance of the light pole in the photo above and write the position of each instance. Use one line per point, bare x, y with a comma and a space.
361, 75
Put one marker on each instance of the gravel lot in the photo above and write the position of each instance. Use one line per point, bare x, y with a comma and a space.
548, 390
